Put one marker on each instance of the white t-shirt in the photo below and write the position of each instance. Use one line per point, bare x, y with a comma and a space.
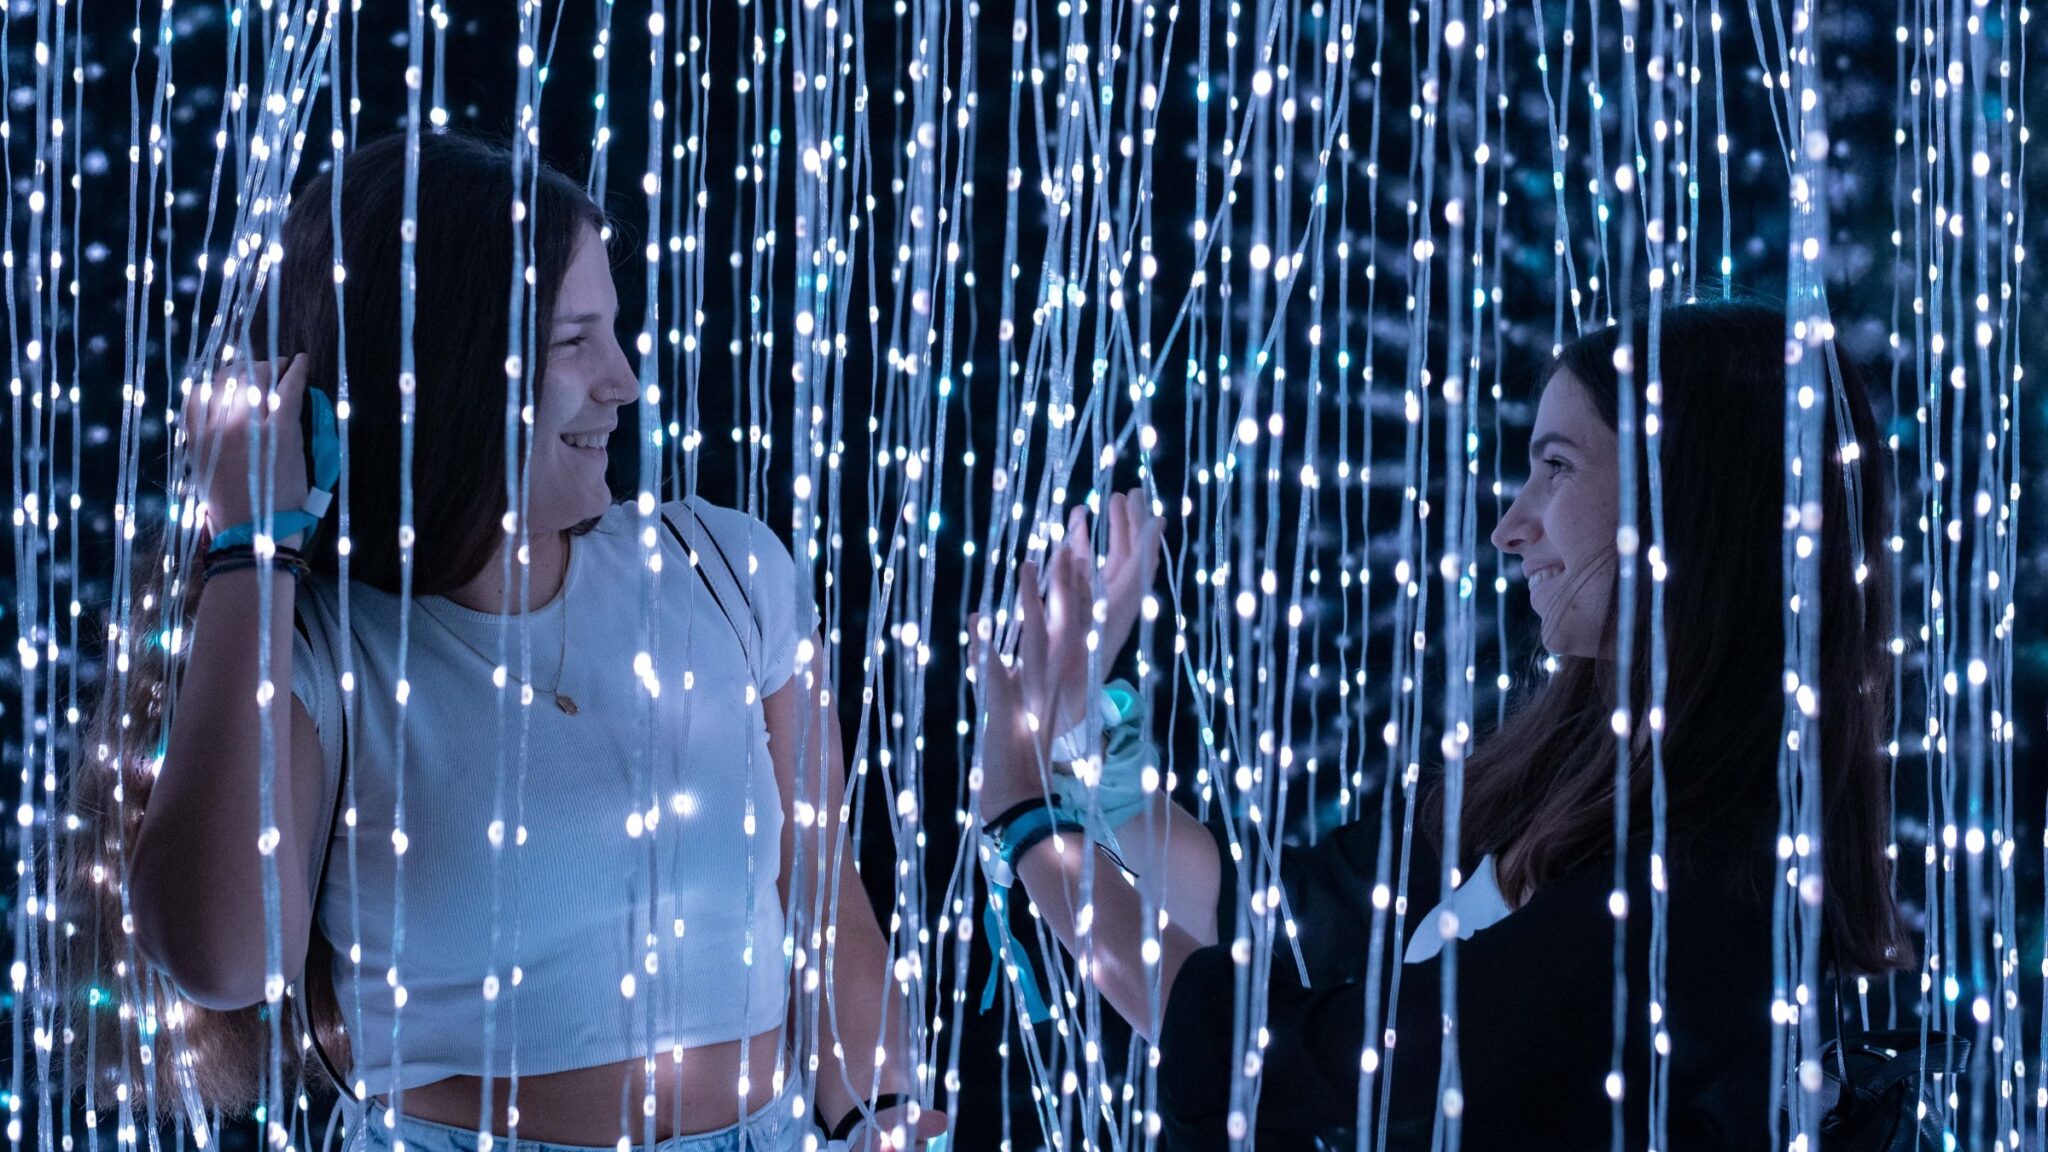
649, 822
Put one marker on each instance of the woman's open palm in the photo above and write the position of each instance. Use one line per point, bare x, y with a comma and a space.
1130, 567
1037, 688
1127, 572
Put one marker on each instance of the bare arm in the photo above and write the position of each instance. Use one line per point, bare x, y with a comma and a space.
196, 874
1174, 858
866, 1009
1108, 931
1112, 944
1179, 875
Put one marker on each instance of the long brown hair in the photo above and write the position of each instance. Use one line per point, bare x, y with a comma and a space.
463, 276
1539, 793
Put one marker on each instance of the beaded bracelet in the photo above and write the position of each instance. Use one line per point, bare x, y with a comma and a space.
296, 570
283, 552
239, 556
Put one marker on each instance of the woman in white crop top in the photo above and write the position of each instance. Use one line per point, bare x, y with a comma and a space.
593, 890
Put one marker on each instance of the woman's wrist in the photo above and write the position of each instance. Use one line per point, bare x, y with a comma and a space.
1072, 743
998, 796
1004, 786
997, 801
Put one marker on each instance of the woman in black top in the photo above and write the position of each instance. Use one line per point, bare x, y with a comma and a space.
1535, 988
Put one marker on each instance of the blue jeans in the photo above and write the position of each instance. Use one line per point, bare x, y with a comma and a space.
772, 1128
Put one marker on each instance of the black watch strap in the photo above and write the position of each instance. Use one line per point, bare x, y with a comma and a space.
852, 1119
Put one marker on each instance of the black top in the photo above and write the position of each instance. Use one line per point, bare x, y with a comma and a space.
1535, 1015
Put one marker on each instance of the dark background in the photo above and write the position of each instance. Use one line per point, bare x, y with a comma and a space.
473, 65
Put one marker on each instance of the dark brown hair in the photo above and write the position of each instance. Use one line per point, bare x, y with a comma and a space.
463, 276
1539, 793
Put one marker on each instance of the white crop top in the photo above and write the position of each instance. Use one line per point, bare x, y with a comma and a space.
587, 885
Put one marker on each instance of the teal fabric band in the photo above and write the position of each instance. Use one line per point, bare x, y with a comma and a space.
1004, 844
326, 472
1009, 839
1119, 792
996, 926
244, 534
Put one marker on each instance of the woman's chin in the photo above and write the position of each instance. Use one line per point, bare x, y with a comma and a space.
1560, 641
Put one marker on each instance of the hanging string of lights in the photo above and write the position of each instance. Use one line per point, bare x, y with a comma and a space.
1192, 279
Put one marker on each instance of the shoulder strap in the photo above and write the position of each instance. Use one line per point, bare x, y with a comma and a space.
711, 585
305, 1023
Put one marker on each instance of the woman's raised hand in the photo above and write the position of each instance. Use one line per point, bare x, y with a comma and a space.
217, 419
1070, 606
1044, 689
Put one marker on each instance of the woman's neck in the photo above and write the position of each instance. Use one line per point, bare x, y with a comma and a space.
548, 570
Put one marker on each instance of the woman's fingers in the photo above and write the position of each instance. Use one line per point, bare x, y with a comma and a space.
1139, 519
1057, 605
1069, 609
982, 658
218, 430
1150, 536
998, 687
269, 384
216, 411
195, 418
1031, 639
1077, 598
1067, 626
251, 389
1119, 526
983, 671
290, 393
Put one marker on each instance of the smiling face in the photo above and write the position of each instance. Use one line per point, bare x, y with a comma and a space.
588, 379
1562, 523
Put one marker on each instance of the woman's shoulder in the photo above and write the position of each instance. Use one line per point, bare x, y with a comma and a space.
691, 517
1711, 911
737, 533
761, 562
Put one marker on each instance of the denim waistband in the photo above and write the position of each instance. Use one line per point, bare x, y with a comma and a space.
774, 1127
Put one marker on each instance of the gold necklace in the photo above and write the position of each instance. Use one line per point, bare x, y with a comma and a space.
562, 701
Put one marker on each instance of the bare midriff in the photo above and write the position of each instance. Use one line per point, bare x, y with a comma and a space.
582, 1106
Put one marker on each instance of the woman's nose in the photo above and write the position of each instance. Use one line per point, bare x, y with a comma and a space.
620, 385
1515, 529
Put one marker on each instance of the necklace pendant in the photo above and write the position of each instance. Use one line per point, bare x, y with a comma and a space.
567, 705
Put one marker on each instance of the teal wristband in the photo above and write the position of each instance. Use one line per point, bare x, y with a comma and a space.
326, 471
1118, 792
244, 534
1005, 842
